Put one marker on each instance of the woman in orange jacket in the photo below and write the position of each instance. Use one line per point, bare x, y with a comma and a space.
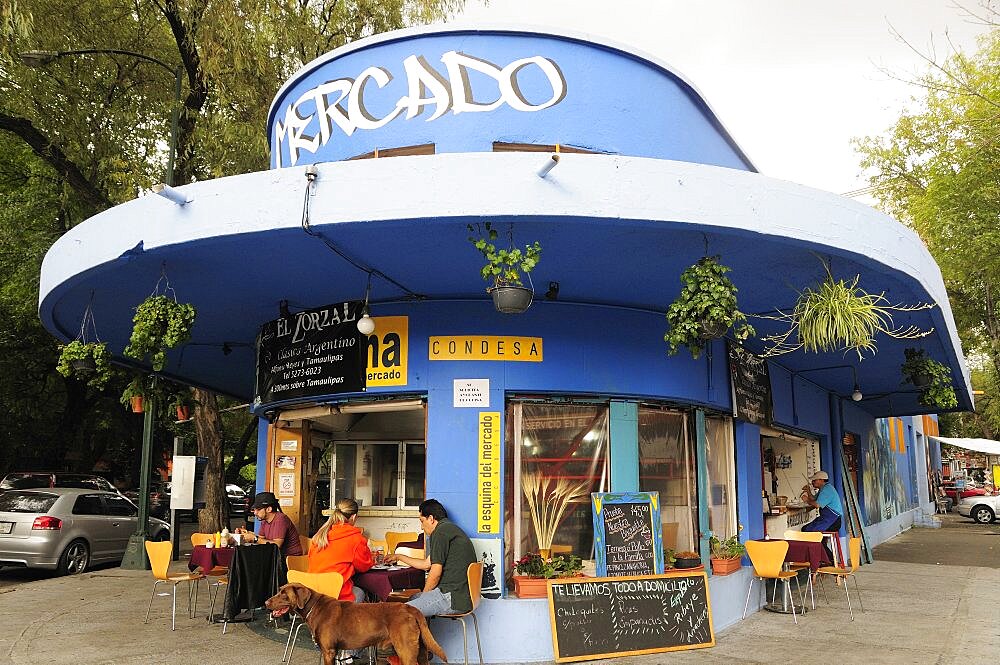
341, 547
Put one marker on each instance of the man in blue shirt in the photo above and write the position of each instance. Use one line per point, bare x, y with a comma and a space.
828, 502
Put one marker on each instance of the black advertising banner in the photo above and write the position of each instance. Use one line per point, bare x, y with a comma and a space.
316, 352
751, 384
605, 617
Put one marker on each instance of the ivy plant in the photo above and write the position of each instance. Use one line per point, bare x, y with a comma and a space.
705, 308
160, 323
503, 266
931, 377
94, 353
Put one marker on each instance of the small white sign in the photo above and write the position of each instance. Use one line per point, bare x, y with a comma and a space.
286, 484
472, 393
292, 445
285, 503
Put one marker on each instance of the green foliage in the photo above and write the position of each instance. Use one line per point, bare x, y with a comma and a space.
729, 548
95, 353
135, 388
503, 266
931, 377
706, 307
160, 323
534, 565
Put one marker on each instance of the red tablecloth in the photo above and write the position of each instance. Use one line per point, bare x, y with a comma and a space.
208, 558
814, 553
380, 583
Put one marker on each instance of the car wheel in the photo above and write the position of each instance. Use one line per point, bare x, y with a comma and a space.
75, 558
160, 536
983, 514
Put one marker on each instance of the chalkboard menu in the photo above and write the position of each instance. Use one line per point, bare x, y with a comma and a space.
751, 385
628, 536
604, 617
316, 352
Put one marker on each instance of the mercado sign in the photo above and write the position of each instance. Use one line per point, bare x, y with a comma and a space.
488, 479
316, 352
388, 351
485, 347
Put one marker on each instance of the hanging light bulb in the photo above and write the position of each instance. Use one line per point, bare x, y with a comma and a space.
366, 325
856, 395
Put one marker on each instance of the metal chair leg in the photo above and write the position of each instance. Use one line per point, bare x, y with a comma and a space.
848, 592
151, 597
822, 584
858, 589
465, 640
288, 642
479, 645
746, 605
173, 609
791, 600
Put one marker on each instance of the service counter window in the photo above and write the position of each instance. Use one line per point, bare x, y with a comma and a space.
557, 456
666, 465
789, 461
381, 474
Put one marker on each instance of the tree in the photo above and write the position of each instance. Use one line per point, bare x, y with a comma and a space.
92, 128
938, 170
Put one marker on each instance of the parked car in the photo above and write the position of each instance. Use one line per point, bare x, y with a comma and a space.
68, 529
24, 480
159, 498
982, 508
159, 501
950, 492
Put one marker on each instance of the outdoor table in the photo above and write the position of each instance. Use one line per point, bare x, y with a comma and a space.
799, 551
256, 574
379, 583
208, 558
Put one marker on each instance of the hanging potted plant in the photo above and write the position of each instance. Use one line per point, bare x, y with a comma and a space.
89, 361
705, 309
838, 315
931, 377
533, 569
504, 267
726, 554
160, 323
181, 403
132, 396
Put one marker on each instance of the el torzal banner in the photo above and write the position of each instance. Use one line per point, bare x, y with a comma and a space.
316, 352
751, 385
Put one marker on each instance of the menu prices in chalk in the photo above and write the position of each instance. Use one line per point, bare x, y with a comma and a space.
628, 540
315, 352
751, 383
604, 617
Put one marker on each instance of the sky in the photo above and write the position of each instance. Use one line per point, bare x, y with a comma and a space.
792, 80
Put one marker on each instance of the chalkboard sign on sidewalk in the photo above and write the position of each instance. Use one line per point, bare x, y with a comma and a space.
751, 384
605, 617
628, 536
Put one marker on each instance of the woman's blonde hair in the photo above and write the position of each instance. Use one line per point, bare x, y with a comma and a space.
343, 511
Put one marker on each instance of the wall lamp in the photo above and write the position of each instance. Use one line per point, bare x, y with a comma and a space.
856, 394
171, 194
550, 164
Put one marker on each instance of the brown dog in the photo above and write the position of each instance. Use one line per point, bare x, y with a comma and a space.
337, 625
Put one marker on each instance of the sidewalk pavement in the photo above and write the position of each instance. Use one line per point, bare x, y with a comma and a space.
919, 608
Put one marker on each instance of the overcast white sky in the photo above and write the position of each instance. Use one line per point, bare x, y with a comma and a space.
792, 80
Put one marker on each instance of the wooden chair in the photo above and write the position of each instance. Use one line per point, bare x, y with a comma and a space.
375, 544
159, 560
217, 572
394, 538
296, 562
305, 542
854, 546
328, 584
767, 557
796, 566
201, 538
475, 574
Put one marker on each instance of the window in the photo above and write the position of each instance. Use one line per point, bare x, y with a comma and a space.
120, 506
26, 502
720, 459
382, 474
557, 455
405, 151
666, 465
88, 504
500, 146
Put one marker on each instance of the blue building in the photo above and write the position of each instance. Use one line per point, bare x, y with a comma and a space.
383, 154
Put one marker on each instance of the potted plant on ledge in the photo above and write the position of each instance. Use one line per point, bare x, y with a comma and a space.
504, 268
533, 569
687, 560
705, 308
726, 554
932, 378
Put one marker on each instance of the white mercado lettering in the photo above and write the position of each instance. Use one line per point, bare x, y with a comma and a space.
454, 92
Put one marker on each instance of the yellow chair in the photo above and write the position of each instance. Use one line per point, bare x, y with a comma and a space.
767, 557
304, 542
854, 547
796, 566
328, 584
475, 574
298, 563
159, 560
394, 538
201, 538
375, 544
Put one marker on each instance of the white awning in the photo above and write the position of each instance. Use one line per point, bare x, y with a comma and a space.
987, 446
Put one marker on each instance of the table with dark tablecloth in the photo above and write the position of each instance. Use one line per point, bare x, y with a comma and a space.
208, 558
380, 583
256, 573
814, 553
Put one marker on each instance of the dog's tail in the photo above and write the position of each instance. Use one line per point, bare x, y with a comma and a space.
428, 638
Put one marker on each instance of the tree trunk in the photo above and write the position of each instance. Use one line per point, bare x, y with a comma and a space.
208, 428
240, 457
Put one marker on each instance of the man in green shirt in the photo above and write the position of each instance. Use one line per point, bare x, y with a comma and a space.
449, 553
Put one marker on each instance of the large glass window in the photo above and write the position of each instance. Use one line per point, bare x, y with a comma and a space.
720, 459
559, 457
384, 474
666, 465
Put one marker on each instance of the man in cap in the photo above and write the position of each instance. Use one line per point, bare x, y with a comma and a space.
275, 527
828, 502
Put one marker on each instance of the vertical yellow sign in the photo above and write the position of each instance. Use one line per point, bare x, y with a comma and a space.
489, 472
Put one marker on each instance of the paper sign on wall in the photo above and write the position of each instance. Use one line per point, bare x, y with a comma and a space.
473, 393
286, 484
290, 445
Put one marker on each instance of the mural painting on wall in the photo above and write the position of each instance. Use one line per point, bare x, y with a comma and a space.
885, 495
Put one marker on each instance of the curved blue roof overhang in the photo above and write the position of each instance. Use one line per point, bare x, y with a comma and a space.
616, 231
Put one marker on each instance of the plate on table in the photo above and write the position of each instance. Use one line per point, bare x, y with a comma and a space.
380, 567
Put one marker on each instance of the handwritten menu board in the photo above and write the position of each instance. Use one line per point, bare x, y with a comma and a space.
751, 384
604, 617
628, 536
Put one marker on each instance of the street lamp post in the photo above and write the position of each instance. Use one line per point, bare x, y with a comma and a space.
135, 554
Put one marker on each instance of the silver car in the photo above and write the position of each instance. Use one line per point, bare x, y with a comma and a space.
984, 509
68, 529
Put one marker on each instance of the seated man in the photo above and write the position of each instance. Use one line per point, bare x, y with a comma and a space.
449, 553
828, 502
275, 527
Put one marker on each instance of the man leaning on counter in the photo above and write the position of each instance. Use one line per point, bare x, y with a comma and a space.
826, 499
